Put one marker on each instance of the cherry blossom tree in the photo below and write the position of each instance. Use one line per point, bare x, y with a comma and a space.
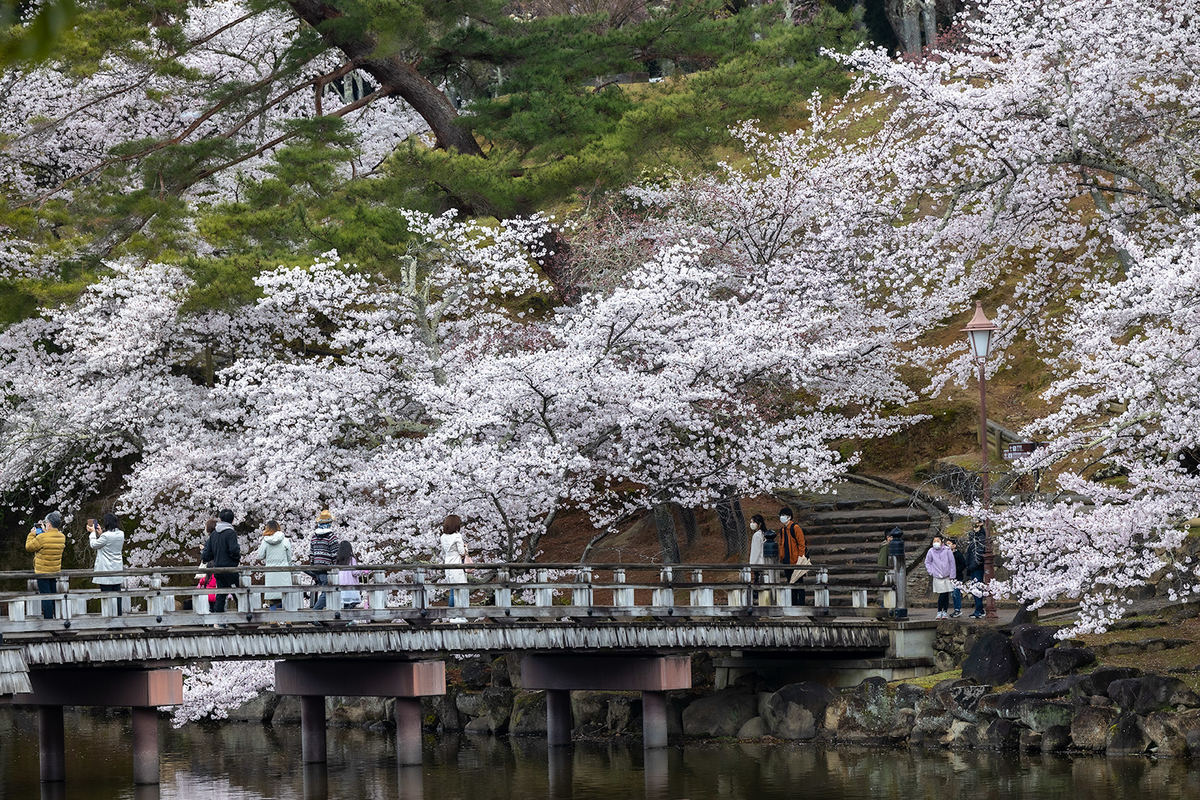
1058, 138
185, 115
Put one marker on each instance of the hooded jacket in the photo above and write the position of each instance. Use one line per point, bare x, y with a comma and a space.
276, 551
222, 548
324, 547
939, 561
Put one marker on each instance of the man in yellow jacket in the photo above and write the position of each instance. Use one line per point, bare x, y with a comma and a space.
47, 544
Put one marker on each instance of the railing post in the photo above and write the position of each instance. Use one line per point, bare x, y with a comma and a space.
247, 600
33, 607
16, 610
154, 601
888, 593
741, 598
581, 596
665, 596
292, 598
821, 592
701, 596
377, 597
64, 606
545, 596
622, 597
502, 595
420, 598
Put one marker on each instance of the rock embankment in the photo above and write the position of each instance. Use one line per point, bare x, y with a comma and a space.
1020, 690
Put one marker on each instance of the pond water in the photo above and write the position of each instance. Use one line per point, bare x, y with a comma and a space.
249, 761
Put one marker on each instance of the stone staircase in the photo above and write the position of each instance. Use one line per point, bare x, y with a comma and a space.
849, 533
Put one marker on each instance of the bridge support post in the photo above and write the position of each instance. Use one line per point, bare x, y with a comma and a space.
653, 676
654, 719
408, 731
312, 728
407, 681
558, 717
134, 687
145, 744
52, 743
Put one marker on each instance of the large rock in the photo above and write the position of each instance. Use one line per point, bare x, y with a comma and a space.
1168, 731
495, 710
358, 711
1148, 693
1066, 660
469, 703
719, 714
475, 672
1056, 739
1041, 716
797, 710
1089, 727
500, 676
624, 714
1035, 677
866, 714
991, 661
961, 735
754, 728
1030, 642
1096, 682
1000, 734
589, 711
528, 714
441, 712
908, 695
960, 698
1126, 737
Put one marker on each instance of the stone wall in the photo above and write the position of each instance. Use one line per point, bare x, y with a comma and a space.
1055, 699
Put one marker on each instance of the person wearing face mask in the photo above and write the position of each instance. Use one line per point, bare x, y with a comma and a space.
792, 551
757, 527
939, 562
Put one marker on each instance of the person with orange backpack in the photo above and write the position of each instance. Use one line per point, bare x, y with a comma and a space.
792, 551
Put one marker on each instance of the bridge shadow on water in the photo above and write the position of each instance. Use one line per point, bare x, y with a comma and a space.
240, 761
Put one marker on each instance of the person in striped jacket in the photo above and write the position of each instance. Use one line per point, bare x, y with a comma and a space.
322, 553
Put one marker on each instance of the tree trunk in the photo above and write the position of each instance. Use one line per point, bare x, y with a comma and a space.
668, 539
904, 18
733, 525
929, 22
691, 528
395, 76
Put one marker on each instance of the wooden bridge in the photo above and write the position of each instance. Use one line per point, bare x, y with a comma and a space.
597, 626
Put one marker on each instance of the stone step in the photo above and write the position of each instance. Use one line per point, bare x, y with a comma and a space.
865, 530
861, 505
891, 515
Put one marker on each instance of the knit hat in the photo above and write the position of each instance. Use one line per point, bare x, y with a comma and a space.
54, 519
325, 516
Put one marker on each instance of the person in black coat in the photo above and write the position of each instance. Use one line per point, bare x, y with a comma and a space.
975, 552
960, 566
222, 550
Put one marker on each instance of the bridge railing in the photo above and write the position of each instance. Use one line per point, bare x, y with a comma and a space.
417, 594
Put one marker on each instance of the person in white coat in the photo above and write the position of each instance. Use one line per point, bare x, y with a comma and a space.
108, 540
275, 551
454, 551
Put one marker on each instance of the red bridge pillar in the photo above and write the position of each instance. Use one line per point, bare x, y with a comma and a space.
653, 676
407, 681
143, 690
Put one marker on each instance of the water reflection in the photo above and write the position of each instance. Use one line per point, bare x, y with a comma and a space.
248, 762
